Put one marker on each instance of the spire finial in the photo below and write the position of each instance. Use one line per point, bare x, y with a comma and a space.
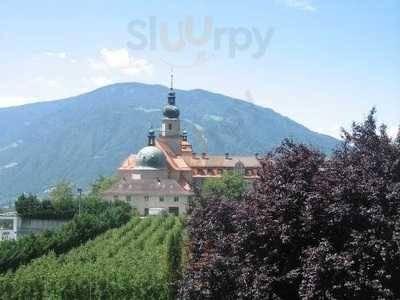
172, 78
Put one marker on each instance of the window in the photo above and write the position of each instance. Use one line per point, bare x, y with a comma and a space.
176, 199
170, 126
173, 210
129, 198
161, 199
146, 211
239, 168
115, 197
6, 236
146, 198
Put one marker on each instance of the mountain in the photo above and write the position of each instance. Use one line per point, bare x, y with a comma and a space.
82, 137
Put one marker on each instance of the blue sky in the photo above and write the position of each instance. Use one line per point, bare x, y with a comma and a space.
325, 63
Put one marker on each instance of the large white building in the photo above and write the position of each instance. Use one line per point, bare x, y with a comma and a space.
162, 174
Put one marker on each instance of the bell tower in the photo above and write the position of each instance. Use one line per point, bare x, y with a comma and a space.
170, 124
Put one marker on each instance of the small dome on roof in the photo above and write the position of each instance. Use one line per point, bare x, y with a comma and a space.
171, 111
150, 157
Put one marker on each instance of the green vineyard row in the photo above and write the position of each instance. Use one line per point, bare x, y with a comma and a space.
137, 261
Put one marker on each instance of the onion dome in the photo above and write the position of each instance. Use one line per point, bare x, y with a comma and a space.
171, 111
150, 157
171, 97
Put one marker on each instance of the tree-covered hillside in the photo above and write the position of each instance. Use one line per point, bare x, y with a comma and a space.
80, 138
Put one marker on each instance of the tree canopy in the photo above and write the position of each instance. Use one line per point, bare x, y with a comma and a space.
62, 202
314, 227
230, 186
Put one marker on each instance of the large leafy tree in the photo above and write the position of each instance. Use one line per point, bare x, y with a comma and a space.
101, 184
230, 186
314, 227
27, 205
62, 196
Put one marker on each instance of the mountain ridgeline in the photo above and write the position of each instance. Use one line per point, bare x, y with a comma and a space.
82, 137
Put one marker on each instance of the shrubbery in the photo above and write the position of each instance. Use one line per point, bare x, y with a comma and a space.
62, 203
313, 228
74, 233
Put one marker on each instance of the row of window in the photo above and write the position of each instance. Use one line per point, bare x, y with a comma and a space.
129, 198
210, 171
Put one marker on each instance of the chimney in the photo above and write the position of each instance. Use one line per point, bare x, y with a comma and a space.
257, 155
204, 155
194, 154
227, 155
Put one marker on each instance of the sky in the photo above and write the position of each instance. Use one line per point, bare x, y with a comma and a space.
322, 63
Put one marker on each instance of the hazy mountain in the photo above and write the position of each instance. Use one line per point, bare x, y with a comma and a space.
83, 137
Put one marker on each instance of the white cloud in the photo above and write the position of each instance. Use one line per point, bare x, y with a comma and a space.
100, 81
97, 65
49, 83
14, 101
120, 60
306, 5
393, 131
138, 66
60, 55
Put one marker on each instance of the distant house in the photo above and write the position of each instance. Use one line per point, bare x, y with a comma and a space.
13, 226
162, 175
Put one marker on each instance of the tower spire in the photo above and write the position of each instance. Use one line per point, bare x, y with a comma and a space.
172, 79
171, 93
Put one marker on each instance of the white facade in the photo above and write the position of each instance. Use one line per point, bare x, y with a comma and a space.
143, 203
13, 226
8, 226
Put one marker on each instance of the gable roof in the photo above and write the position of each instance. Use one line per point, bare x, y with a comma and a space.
176, 162
219, 161
162, 187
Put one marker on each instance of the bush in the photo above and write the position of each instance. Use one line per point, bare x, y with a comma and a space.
314, 227
62, 204
74, 233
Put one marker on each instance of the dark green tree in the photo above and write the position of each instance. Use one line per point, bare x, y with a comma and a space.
27, 205
101, 184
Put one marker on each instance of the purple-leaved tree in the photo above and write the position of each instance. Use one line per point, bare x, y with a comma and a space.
314, 227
